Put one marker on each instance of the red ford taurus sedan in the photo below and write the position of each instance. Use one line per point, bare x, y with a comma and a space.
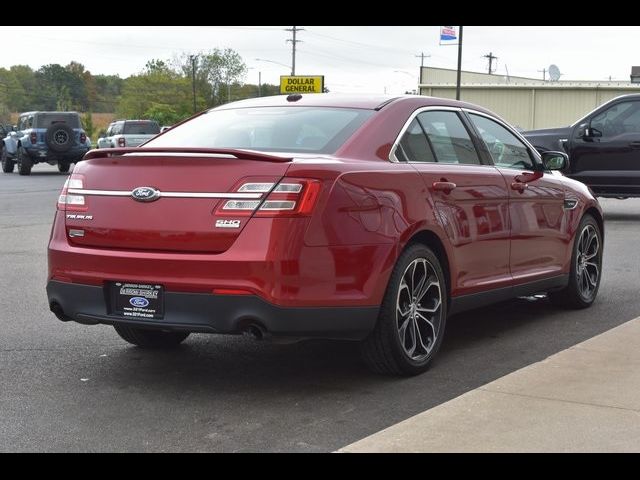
365, 218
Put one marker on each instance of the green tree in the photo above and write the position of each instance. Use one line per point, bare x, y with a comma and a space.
87, 123
108, 91
12, 95
164, 114
216, 72
23, 98
60, 88
158, 90
250, 90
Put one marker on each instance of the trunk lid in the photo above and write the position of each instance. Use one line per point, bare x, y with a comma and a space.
183, 218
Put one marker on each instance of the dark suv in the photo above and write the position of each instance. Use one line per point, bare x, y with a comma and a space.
603, 147
51, 137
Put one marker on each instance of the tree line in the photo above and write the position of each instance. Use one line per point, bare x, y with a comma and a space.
162, 90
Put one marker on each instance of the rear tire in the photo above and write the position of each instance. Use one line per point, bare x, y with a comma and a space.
64, 167
412, 316
586, 268
156, 339
24, 162
7, 163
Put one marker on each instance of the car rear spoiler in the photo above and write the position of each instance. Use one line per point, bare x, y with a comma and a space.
238, 153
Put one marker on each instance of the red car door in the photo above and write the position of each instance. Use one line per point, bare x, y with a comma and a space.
470, 199
539, 236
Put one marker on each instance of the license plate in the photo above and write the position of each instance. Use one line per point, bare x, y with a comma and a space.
137, 300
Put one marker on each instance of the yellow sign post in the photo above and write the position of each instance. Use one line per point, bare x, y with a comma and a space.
300, 84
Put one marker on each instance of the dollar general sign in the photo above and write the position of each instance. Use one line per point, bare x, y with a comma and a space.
300, 84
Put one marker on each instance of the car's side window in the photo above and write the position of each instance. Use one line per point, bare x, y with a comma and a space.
414, 146
30, 121
448, 137
505, 148
620, 118
117, 129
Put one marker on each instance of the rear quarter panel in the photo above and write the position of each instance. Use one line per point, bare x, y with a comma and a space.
367, 204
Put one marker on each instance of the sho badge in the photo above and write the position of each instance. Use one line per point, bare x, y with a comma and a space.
227, 223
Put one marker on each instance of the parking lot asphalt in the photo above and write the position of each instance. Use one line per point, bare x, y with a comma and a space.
68, 387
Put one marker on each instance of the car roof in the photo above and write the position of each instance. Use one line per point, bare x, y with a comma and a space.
335, 100
132, 120
46, 111
628, 96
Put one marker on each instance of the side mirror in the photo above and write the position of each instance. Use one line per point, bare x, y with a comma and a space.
591, 132
14, 128
555, 160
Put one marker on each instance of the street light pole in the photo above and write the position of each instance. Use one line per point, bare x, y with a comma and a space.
260, 73
459, 66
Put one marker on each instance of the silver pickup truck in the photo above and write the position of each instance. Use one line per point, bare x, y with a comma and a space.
128, 133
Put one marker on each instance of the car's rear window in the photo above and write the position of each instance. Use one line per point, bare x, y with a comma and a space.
141, 128
275, 129
45, 120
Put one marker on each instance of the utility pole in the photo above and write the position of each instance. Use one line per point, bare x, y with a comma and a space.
193, 80
293, 41
491, 58
544, 74
422, 56
459, 75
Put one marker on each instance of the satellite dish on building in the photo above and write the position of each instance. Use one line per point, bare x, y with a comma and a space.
554, 73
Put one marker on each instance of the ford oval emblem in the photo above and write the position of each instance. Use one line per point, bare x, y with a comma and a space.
139, 302
145, 194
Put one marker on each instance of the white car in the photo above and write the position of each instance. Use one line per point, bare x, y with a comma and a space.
128, 133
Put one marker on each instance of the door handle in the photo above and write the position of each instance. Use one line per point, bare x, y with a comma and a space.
635, 145
445, 187
519, 186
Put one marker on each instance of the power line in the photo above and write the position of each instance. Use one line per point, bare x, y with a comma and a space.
293, 41
345, 59
358, 44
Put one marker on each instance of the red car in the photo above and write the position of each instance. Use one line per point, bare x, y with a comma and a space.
366, 218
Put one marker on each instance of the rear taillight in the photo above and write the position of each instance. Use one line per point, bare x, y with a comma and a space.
70, 201
292, 197
33, 137
122, 142
83, 137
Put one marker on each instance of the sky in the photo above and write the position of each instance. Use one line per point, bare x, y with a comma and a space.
374, 59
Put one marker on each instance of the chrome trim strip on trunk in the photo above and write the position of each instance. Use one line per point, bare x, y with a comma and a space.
125, 193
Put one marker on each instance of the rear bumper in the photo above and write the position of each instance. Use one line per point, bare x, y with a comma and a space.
208, 313
39, 153
268, 259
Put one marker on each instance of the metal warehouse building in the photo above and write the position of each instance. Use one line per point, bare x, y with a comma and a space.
527, 103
